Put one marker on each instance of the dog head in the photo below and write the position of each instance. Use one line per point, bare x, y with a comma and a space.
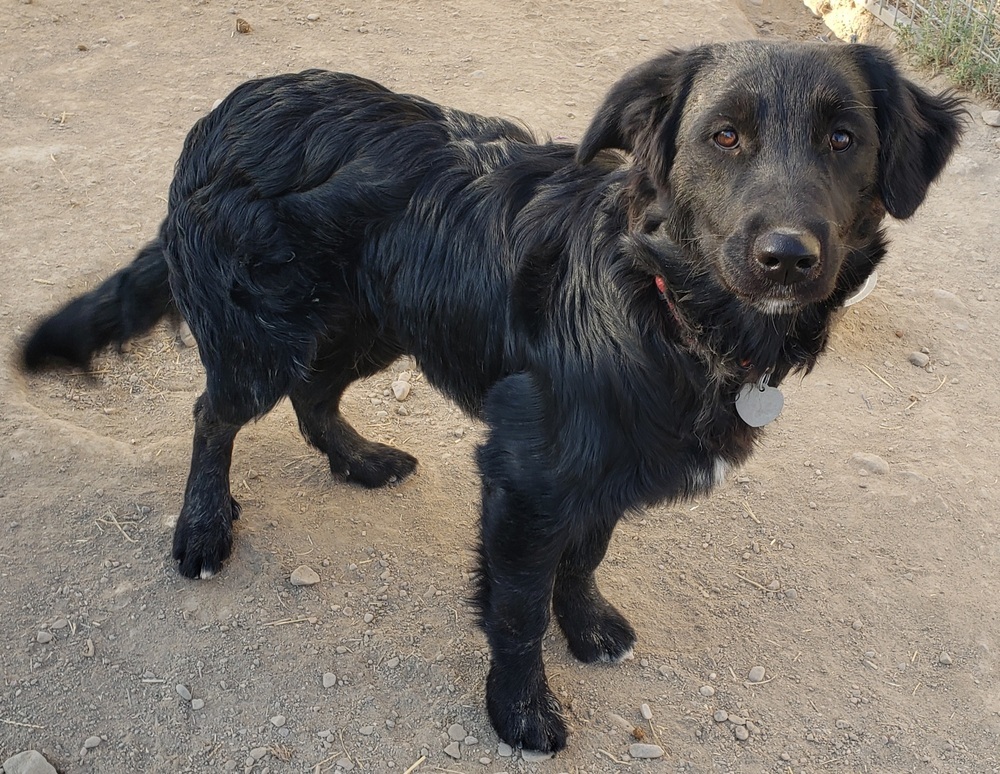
774, 163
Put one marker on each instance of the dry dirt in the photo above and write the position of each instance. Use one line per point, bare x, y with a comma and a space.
869, 599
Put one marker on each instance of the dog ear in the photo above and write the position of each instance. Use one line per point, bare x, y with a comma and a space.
917, 131
642, 111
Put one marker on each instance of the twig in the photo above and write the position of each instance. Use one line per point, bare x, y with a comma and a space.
114, 520
284, 621
752, 583
415, 766
42, 282
879, 377
943, 380
612, 757
750, 512
20, 725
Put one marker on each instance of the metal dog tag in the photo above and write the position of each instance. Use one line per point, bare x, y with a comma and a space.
760, 403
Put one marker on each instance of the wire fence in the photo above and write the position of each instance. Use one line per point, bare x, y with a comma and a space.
975, 23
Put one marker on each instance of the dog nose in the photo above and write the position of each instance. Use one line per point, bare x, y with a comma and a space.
787, 257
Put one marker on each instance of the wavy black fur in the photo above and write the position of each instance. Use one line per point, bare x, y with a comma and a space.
319, 226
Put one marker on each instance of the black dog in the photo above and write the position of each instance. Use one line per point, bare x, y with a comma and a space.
601, 314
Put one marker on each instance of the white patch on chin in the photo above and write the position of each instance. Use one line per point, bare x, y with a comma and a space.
776, 305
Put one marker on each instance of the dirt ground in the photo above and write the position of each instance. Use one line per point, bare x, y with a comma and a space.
868, 597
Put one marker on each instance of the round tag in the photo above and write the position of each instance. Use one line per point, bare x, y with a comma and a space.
759, 404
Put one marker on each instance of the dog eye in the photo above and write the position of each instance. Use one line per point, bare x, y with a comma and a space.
840, 141
727, 139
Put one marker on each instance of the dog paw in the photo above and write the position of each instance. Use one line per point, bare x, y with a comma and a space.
378, 465
531, 721
203, 541
596, 631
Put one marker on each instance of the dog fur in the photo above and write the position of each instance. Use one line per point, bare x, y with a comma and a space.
599, 311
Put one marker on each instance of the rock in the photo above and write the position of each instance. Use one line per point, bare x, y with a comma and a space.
720, 716
393, 662
756, 674
707, 691
504, 750
28, 762
919, 359
401, 390
991, 117
535, 756
741, 733
456, 733
258, 752
645, 751
948, 299
646, 712
945, 658
304, 575
312, 17
453, 750
44, 637
183, 691
91, 742
197, 704
329, 679
871, 463
278, 721
857, 625
59, 623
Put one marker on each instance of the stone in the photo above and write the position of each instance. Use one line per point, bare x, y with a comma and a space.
304, 575
28, 762
453, 750
919, 359
645, 751
871, 463
991, 117
401, 390
329, 679
756, 674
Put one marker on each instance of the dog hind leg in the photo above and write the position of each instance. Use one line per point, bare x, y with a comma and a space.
203, 537
317, 406
594, 628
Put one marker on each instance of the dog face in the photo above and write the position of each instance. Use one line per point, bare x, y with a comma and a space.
774, 162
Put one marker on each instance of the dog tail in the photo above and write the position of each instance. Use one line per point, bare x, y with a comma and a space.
125, 305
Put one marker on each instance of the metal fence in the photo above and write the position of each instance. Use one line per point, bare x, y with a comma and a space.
981, 18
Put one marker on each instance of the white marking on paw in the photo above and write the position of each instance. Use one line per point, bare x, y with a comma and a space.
206, 573
628, 655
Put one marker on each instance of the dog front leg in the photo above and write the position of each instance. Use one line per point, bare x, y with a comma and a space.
519, 555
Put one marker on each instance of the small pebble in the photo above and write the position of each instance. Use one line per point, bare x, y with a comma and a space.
258, 752
991, 117
534, 756
645, 751
485, 761
870, 463
59, 623
329, 679
919, 359
366, 730
183, 691
741, 733
197, 704
401, 390
453, 750
945, 658
707, 691
91, 742
304, 575
720, 716
44, 637
393, 662
470, 740
646, 712
312, 17
278, 721
756, 674
504, 750
857, 625
456, 732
